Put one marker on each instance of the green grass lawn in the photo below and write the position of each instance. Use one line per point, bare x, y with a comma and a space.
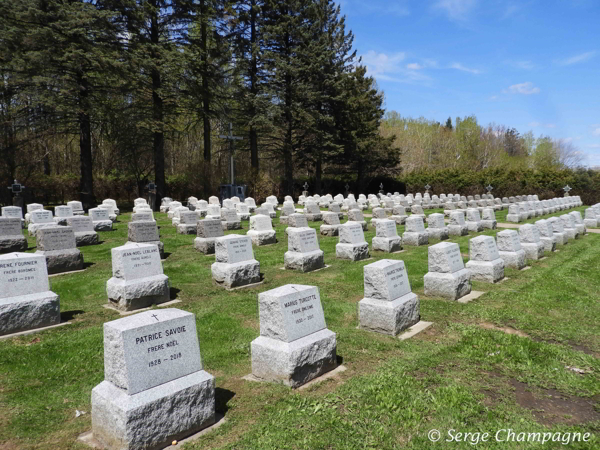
502, 361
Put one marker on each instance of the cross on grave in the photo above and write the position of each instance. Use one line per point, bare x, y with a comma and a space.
305, 186
567, 188
427, 187
156, 317
381, 188
347, 187
489, 188
230, 137
16, 188
151, 186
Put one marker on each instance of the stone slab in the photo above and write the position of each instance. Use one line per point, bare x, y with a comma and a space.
414, 330
128, 313
33, 331
470, 297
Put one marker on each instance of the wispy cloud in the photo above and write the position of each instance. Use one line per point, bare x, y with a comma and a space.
414, 66
594, 146
459, 10
386, 67
523, 88
524, 65
582, 57
596, 131
459, 66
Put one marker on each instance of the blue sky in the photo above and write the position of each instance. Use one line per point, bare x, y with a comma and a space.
532, 65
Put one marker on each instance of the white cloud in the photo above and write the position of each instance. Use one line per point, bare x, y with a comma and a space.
459, 10
386, 67
594, 146
459, 66
534, 124
414, 66
550, 125
525, 65
523, 88
540, 124
577, 58
596, 131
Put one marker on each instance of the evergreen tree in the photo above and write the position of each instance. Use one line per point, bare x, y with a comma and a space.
449, 124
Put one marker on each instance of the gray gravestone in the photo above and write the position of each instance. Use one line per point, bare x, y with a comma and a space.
11, 235
101, 219
485, 263
294, 345
261, 230
303, 252
509, 246
352, 243
145, 232
59, 246
447, 276
155, 390
208, 230
83, 227
235, 265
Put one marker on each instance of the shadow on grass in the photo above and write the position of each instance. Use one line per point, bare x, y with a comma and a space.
65, 316
222, 397
87, 265
173, 293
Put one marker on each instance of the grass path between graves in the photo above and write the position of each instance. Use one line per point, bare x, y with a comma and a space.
504, 361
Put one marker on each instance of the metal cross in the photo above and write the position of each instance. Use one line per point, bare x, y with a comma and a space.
347, 186
230, 137
151, 186
16, 187
305, 186
427, 187
489, 188
567, 188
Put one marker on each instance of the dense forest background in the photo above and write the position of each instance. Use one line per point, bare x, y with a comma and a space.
99, 97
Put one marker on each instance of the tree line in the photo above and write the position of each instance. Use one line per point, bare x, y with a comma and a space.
99, 97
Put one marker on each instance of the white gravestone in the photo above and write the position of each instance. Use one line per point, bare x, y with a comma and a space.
138, 280
485, 263
510, 250
303, 252
389, 305
457, 225
155, 390
83, 227
436, 227
294, 345
386, 237
546, 235
11, 235
187, 222
77, 207
261, 230
26, 301
142, 232
208, 230
414, 231
352, 243
331, 224
234, 264
101, 219
447, 276
230, 219
531, 241
40, 218
312, 212
356, 215
59, 246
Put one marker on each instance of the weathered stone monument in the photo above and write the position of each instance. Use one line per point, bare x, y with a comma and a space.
187, 222
569, 227
457, 225
399, 214
331, 224
261, 230
558, 231
230, 219
235, 265
546, 235
489, 219
447, 276
11, 235
356, 215
142, 232
414, 232
389, 305
436, 228
101, 219
531, 241
13, 212
294, 345
83, 227
208, 232
578, 222
59, 246
474, 220
514, 214
485, 263
591, 218
155, 390
62, 214
39, 218
303, 252
510, 250
312, 212
138, 280
77, 207
386, 237
352, 243
26, 302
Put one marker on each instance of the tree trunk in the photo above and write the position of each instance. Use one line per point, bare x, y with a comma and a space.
157, 112
205, 103
86, 180
253, 92
288, 184
318, 173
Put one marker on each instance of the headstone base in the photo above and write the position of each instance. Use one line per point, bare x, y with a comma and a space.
244, 216
353, 252
515, 260
59, 261
184, 228
103, 225
27, 312
440, 234
140, 293
448, 285
580, 229
235, 275
488, 271
561, 238
205, 245
84, 238
571, 233
458, 230
314, 217
9, 244
388, 245
549, 243
489, 224
62, 221
262, 237
513, 218
294, 363
231, 225
533, 251
475, 227
284, 220
329, 230
382, 316
590, 223
415, 238
400, 220
153, 418
304, 262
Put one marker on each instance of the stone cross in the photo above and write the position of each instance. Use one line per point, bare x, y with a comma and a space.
230, 137
567, 188
489, 188
427, 187
305, 186
16, 188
